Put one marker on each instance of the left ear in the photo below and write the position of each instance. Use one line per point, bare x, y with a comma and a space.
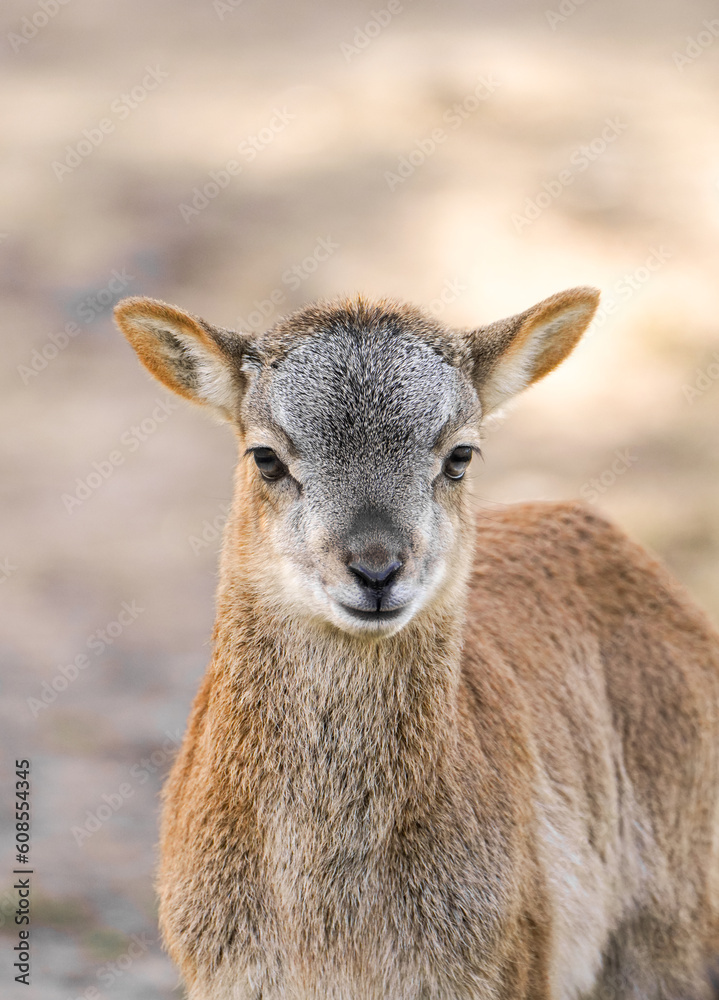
510, 355
196, 360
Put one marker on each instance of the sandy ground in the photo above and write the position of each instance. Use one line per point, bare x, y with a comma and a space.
471, 157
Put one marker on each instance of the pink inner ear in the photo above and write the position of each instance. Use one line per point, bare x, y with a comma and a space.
559, 327
156, 331
522, 349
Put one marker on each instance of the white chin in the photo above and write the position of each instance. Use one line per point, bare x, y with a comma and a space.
369, 622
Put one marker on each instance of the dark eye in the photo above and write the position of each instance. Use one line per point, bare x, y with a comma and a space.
269, 464
455, 464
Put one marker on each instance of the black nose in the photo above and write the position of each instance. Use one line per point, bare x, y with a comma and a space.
375, 578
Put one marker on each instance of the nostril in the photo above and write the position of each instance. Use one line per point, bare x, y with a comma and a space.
374, 577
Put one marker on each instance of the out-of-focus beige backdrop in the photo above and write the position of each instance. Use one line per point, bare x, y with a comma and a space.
241, 158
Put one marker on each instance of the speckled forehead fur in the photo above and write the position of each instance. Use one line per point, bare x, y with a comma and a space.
351, 380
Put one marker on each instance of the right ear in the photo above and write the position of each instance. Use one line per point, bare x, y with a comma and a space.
194, 359
510, 355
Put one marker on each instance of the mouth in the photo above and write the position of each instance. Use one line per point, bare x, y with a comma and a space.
375, 617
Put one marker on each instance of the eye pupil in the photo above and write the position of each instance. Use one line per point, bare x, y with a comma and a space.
455, 465
271, 468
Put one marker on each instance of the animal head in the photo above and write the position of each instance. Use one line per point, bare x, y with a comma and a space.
356, 423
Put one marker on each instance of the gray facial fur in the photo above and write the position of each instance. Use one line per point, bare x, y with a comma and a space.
366, 406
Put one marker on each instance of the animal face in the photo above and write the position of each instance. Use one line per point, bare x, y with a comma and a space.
356, 423
360, 437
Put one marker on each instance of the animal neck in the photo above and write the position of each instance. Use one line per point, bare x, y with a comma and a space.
327, 728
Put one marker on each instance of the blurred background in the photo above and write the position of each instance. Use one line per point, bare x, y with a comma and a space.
240, 158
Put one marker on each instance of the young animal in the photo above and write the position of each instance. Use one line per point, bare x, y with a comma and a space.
433, 758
